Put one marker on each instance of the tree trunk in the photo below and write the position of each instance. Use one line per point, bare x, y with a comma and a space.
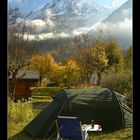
99, 78
87, 79
40, 80
13, 84
11, 89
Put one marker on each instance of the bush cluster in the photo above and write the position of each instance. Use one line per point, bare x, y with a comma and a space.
20, 112
121, 83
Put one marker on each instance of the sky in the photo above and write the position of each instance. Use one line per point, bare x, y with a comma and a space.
31, 4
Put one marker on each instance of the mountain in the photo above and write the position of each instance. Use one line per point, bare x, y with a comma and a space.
16, 14
64, 11
118, 25
122, 20
123, 12
68, 18
67, 7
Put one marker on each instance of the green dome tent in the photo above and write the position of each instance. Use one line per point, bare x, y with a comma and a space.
102, 105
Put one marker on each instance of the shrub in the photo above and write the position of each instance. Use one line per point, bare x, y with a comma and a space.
20, 112
121, 83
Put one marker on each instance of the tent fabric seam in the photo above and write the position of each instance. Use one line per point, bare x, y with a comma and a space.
121, 111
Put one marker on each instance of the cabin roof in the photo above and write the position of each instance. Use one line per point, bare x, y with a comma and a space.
27, 74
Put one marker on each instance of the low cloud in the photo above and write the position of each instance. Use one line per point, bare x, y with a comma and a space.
50, 23
37, 26
122, 28
35, 23
63, 35
38, 37
127, 12
77, 32
44, 36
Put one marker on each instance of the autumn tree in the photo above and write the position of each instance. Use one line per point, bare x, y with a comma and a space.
45, 64
83, 57
99, 59
90, 57
114, 55
67, 73
97, 56
110, 56
18, 54
127, 53
38, 62
71, 73
58, 76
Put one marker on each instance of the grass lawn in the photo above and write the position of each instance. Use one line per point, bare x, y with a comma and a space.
125, 134
39, 101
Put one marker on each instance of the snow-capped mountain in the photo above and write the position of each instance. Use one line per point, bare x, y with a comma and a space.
122, 20
123, 12
64, 7
118, 25
67, 18
76, 9
15, 14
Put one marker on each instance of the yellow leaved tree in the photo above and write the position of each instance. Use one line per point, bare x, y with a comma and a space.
45, 64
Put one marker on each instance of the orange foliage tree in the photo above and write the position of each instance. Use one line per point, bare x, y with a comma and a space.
67, 73
45, 64
71, 73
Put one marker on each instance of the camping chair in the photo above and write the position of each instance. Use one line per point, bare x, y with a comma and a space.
69, 128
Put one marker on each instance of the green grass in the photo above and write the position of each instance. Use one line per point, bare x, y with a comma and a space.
125, 134
46, 91
15, 114
41, 99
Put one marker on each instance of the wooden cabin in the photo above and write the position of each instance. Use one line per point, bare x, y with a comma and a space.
25, 79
